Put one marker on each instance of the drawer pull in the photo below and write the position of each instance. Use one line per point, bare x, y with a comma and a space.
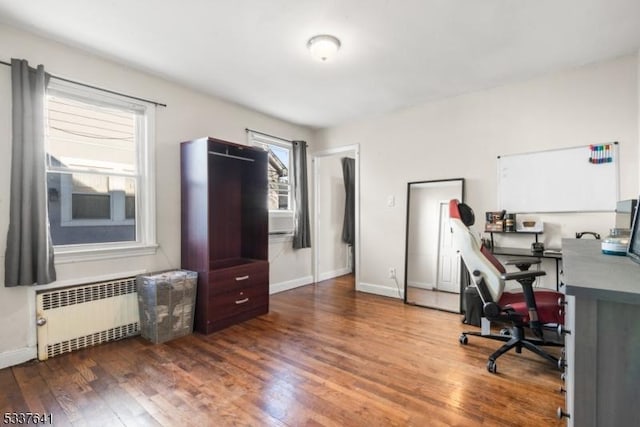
562, 363
242, 301
561, 414
241, 278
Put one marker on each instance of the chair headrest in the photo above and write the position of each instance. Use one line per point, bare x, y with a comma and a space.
466, 214
462, 211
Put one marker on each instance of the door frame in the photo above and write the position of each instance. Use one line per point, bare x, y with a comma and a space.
355, 148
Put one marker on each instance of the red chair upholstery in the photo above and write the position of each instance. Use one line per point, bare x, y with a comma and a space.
529, 309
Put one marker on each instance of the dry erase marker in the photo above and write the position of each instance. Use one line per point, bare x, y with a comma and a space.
601, 154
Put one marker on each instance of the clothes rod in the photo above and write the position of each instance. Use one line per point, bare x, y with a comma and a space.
267, 134
157, 104
231, 156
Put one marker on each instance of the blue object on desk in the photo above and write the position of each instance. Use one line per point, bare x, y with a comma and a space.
616, 243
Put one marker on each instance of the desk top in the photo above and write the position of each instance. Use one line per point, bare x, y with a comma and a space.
524, 252
591, 274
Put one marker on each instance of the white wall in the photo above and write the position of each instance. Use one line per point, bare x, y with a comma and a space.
188, 115
462, 136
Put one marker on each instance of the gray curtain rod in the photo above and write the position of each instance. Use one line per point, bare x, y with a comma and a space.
157, 104
267, 134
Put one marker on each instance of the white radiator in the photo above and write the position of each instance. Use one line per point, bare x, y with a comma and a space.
81, 316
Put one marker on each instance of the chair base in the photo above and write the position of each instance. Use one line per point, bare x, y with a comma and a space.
515, 340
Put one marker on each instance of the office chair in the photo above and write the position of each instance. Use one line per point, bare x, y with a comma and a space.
529, 309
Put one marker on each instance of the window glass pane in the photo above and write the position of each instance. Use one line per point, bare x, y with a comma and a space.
86, 136
278, 175
92, 160
90, 183
81, 211
130, 207
91, 206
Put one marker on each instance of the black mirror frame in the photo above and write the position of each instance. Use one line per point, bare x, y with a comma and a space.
406, 240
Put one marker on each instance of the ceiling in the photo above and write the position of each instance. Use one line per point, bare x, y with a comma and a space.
394, 54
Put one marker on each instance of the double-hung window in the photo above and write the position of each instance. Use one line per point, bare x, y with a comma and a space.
100, 182
280, 176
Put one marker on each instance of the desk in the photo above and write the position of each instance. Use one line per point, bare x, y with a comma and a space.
603, 348
528, 253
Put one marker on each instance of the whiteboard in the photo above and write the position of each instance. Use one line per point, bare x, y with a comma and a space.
562, 180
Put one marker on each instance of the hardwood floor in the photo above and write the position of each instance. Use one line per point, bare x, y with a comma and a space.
324, 355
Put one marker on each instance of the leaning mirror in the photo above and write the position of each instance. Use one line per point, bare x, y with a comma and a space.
432, 266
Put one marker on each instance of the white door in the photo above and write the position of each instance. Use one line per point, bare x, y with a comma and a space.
448, 276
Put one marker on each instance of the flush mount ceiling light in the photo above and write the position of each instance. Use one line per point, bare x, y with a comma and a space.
323, 47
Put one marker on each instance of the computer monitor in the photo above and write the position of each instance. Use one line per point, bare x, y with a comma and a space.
634, 242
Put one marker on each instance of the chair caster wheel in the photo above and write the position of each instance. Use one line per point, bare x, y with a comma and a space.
492, 367
505, 332
463, 339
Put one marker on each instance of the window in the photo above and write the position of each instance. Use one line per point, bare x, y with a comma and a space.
280, 176
99, 171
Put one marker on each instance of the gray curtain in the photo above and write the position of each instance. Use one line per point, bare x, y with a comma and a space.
302, 233
348, 227
29, 253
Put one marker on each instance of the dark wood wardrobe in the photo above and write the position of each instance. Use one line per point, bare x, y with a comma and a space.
225, 231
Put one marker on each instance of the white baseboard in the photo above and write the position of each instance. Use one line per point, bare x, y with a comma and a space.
274, 288
385, 291
16, 357
335, 273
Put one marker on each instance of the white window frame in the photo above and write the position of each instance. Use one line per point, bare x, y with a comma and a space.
277, 215
145, 222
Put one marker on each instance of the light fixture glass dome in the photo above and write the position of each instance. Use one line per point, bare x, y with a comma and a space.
323, 47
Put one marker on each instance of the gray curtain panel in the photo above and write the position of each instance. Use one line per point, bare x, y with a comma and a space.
348, 227
29, 253
302, 233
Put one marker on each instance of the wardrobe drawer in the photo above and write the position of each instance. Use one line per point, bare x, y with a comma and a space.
233, 302
238, 278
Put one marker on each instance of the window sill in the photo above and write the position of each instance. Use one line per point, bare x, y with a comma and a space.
96, 223
82, 253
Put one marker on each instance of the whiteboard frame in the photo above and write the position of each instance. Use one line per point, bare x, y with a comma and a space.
616, 165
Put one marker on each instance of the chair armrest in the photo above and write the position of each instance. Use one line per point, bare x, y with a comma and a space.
523, 264
520, 275
526, 279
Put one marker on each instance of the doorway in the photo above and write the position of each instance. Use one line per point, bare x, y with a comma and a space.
332, 257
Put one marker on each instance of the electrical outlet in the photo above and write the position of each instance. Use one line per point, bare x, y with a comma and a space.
392, 273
